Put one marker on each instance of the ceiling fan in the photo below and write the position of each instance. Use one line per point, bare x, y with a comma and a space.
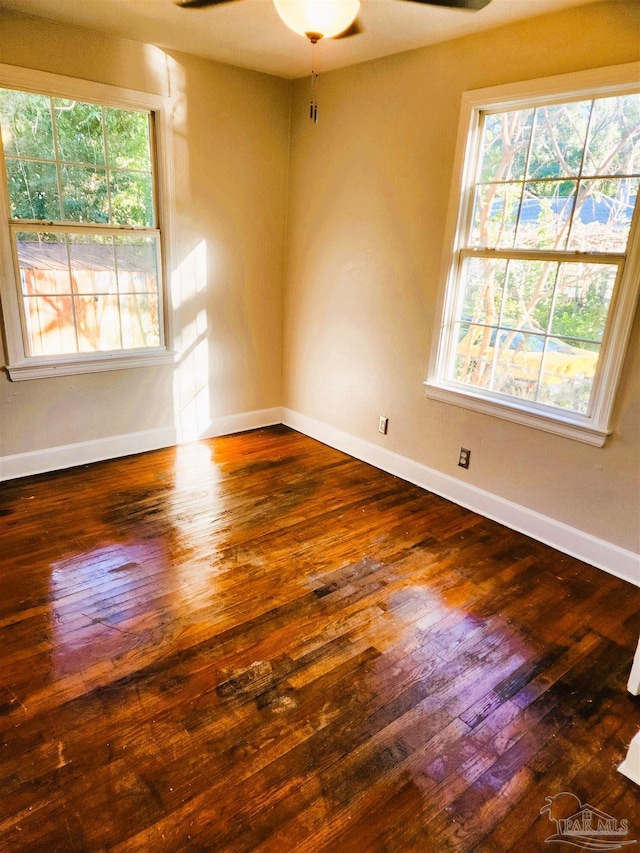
334, 19
318, 19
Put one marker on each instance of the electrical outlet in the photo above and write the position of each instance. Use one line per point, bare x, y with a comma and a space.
383, 423
464, 458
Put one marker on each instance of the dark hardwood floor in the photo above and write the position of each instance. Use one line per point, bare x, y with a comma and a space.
259, 643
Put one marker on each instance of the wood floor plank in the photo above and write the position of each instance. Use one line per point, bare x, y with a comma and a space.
256, 642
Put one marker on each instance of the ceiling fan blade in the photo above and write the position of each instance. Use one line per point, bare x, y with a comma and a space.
472, 5
353, 29
199, 4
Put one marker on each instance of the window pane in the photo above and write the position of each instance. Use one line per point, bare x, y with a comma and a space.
137, 264
80, 133
474, 355
98, 320
26, 124
128, 139
140, 321
504, 145
33, 190
582, 300
50, 325
558, 140
529, 293
603, 215
483, 283
545, 214
614, 137
93, 266
495, 215
517, 364
85, 194
42, 259
131, 198
567, 375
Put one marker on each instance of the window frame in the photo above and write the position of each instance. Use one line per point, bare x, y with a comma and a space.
20, 365
593, 427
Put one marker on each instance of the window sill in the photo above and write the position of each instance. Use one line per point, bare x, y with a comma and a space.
44, 368
569, 426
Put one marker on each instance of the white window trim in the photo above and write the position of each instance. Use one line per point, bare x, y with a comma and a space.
21, 366
594, 427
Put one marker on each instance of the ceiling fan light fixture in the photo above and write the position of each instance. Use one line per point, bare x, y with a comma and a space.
318, 18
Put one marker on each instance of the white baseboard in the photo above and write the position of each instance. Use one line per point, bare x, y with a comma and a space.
597, 552
243, 421
85, 452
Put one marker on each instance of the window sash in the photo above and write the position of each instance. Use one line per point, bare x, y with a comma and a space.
502, 327
119, 294
105, 166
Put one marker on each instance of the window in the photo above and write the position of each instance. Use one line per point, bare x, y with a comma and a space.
82, 225
540, 278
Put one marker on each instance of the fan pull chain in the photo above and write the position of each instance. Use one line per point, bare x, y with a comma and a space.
313, 106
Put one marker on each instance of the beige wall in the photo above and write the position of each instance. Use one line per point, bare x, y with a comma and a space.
231, 149
369, 193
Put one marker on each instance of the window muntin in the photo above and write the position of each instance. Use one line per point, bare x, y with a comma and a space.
541, 251
83, 226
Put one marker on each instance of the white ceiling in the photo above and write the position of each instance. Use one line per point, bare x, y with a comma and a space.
250, 34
